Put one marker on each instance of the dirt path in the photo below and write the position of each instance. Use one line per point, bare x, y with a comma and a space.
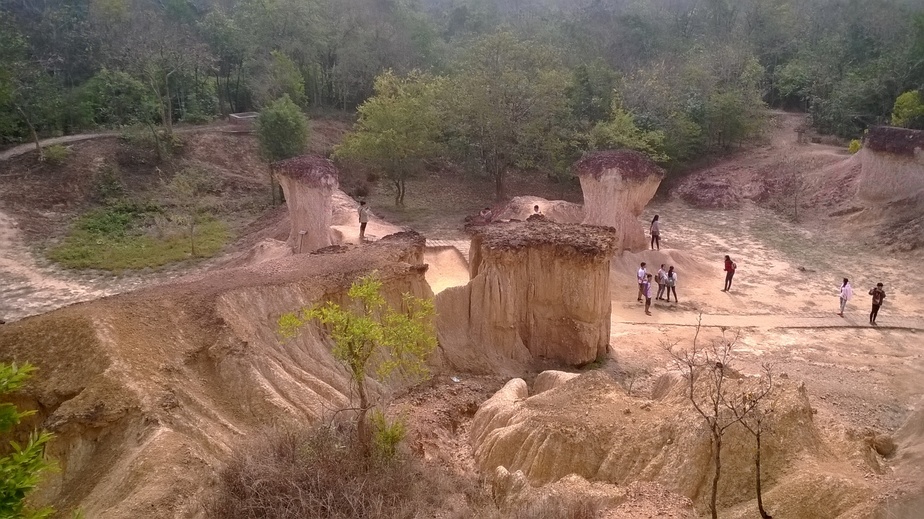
819, 321
26, 148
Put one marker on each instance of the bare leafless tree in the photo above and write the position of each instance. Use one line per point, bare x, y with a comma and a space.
707, 372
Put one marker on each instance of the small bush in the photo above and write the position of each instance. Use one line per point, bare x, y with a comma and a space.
386, 435
313, 473
854, 146
56, 154
107, 184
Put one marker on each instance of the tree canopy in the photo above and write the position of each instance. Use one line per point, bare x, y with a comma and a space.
698, 71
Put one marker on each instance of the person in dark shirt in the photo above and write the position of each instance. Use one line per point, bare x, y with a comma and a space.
878, 296
730, 267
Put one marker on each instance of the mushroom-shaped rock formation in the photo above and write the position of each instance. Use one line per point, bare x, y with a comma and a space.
538, 289
892, 165
617, 185
309, 183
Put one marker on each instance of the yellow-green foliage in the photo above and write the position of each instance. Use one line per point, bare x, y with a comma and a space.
22, 467
387, 434
370, 336
854, 146
908, 111
620, 131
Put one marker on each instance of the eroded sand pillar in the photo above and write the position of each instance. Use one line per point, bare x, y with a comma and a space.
539, 290
308, 182
617, 186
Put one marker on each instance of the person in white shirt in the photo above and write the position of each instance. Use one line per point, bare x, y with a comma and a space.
671, 284
642, 277
846, 294
363, 219
655, 230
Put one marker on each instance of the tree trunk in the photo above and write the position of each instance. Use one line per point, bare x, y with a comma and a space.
192, 235
272, 186
717, 457
760, 498
499, 190
168, 106
221, 96
362, 431
35, 139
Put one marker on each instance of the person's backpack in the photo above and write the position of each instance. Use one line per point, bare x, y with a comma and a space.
734, 266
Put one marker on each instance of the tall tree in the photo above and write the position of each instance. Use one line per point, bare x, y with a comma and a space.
28, 95
283, 132
508, 106
399, 128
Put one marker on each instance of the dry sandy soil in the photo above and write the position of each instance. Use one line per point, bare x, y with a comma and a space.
784, 301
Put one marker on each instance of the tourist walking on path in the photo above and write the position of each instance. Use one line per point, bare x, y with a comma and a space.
846, 294
642, 275
655, 233
730, 268
878, 296
363, 219
647, 291
670, 282
659, 279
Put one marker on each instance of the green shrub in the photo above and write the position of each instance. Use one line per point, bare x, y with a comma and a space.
107, 183
386, 435
282, 129
21, 469
908, 111
854, 146
56, 154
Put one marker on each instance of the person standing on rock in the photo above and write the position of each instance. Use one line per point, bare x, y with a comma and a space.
879, 296
655, 233
730, 268
660, 279
363, 219
536, 210
670, 282
647, 291
642, 275
846, 294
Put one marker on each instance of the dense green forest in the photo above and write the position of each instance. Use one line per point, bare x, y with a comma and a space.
676, 78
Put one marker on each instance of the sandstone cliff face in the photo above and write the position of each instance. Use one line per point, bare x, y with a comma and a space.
537, 290
590, 427
309, 183
146, 392
617, 185
892, 165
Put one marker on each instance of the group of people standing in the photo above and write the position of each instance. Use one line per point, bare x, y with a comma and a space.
667, 285
877, 292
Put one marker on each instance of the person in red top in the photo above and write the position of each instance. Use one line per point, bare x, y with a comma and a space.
730, 268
